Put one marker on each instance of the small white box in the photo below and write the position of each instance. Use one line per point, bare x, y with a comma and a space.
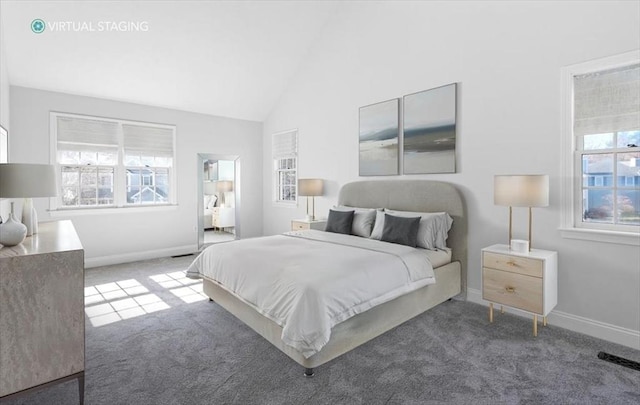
519, 245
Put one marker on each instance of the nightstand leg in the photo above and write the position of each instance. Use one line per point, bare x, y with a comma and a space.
535, 325
544, 321
502, 309
491, 312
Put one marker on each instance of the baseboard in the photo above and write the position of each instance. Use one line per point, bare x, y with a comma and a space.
600, 330
136, 256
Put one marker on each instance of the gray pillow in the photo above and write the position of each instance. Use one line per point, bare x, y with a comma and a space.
363, 219
339, 221
401, 230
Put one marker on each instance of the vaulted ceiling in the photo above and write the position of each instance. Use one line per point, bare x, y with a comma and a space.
227, 58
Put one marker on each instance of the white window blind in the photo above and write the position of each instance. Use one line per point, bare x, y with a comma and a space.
147, 140
82, 134
607, 101
285, 144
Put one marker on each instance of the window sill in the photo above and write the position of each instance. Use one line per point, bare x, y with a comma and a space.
285, 204
621, 238
74, 212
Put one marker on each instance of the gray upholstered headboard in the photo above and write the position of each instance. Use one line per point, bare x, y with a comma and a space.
419, 196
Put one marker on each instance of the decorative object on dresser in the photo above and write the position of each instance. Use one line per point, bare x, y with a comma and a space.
521, 191
42, 316
27, 181
379, 135
429, 131
302, 224
527, 281
12, 231
310, 188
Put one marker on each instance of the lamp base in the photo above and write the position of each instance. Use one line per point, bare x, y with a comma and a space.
12, 232
310, 218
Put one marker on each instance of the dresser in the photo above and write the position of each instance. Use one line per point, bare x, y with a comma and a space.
301, 224
527, 281
42, 316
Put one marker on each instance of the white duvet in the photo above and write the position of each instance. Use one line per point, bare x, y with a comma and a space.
309, 281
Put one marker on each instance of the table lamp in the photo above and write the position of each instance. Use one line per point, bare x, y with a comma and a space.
24, 180
521, 191
223, 187
310, 188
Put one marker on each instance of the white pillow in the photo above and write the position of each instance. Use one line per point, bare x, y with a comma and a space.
210, 201
376, 233
363, 219
433, 230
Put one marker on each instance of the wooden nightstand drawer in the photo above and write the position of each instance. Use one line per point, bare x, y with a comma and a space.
301, 224
297, 225
512, 289
513, 264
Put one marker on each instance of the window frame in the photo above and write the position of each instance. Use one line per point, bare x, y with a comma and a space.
119, 172
572, 227
276, 170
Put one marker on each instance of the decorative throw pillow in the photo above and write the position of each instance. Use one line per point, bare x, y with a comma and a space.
339, 221
400, 230
378, 226
363, 220
212, 202
434, 228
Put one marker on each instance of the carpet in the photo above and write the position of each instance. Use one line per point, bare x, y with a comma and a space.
164, 343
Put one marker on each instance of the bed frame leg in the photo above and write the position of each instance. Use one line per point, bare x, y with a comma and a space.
308, 372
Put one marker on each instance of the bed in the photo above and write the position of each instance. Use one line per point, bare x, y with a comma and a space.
448, 280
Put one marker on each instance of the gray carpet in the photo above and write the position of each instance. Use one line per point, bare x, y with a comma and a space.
197, 353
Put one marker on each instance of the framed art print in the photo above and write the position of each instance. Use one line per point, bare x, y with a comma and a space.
429, 131
378, 139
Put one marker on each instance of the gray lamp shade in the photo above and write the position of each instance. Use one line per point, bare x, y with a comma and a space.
521, 190
310, 187
25, 180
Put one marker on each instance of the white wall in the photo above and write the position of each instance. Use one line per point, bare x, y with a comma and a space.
506, 58
4, 112
131, 234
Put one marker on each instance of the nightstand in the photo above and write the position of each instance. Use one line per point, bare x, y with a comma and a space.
527, 281
300, 224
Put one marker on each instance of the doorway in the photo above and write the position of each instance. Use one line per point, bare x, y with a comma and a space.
219, 202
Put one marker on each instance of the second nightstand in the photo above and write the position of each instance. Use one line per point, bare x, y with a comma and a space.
300, 224
527, 281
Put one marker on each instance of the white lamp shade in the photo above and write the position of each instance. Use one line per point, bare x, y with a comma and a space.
224, 186
210, 188
310, 187
521, 190
24, 180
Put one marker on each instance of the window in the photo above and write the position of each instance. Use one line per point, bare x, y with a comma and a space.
112, 163
285, 164
602, 127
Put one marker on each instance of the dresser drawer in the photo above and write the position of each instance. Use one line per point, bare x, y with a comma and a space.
513, 264
297, 225
512, 289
